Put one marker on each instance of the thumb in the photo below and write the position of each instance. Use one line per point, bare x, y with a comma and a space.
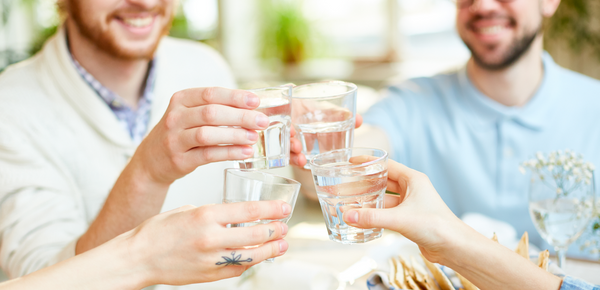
372, 218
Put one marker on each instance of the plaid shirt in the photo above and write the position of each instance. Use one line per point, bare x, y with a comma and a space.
133, 121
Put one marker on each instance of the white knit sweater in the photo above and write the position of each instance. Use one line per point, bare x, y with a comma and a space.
62, 149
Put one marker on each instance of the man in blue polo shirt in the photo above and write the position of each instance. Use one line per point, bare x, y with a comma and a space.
469, 130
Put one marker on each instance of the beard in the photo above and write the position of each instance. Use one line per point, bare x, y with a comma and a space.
517, 48
107, 41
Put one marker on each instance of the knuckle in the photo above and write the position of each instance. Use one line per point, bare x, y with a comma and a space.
209, 113
252, 210
238, 97
206, 242
257, 234
368, 217
246, 117
209, 94
202, 214
176, 98
171, 119
233, 153
178, 161
241, 135
209, 155
202, 136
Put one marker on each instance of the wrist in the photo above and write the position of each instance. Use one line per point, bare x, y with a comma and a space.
141, 177
131, 262
458, 238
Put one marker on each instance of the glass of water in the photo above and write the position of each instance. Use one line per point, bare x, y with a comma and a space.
252, 185
324, 116
561, 205
349, 179
272, 150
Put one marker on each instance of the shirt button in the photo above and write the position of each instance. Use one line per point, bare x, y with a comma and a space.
508, 152
116, 104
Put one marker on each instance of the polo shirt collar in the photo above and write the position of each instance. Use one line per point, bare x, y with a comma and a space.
534, 115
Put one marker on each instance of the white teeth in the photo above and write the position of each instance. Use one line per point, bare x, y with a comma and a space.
138, 22
491, 29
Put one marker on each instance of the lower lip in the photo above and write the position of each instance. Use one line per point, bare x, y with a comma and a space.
138, 30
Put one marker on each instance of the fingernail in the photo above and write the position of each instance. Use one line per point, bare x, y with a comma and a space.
252, 135
286, 208
283, 246
247, 151
352, 217
252, 100
284, 229
294, 160
262, 121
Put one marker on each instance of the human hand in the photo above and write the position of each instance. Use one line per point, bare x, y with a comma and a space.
418, 212
296, 156
192, 130
193, 244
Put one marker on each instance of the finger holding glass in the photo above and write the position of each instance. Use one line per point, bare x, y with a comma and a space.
243, 185
272, 149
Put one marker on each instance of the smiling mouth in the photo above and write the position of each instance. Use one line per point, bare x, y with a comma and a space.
490, 29
137, 22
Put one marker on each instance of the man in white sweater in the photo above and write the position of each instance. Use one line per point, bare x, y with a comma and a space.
97, 127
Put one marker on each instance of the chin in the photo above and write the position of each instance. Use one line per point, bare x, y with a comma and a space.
128, 48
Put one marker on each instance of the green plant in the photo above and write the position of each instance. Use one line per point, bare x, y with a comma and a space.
286, 34
576, 22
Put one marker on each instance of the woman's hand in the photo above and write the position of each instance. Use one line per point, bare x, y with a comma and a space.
417, 212
193, 245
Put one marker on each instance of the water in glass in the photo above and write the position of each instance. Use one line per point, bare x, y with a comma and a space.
362, 188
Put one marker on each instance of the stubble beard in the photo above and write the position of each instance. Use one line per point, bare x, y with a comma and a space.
107, 42
517, 49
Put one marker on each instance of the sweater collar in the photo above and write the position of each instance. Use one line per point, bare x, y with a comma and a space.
58, 68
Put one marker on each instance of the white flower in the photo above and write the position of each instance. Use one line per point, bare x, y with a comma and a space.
590, 166
522, 169
539, 155
559, 190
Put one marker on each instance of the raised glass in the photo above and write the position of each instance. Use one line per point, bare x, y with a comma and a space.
349, 179
324, 116
272, 150
252, 185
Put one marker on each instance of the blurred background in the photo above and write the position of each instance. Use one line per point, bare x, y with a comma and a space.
372, 43
369, 42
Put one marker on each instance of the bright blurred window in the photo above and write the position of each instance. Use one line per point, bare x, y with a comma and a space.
202, 18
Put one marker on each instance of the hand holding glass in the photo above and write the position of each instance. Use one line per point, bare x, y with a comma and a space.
272, 149
350, 179
251, 185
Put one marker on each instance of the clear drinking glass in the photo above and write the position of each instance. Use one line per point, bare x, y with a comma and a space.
349, 179
252, 185
561, 208
272, 149
323, 116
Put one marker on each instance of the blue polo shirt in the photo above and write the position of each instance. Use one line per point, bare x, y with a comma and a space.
471, 146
